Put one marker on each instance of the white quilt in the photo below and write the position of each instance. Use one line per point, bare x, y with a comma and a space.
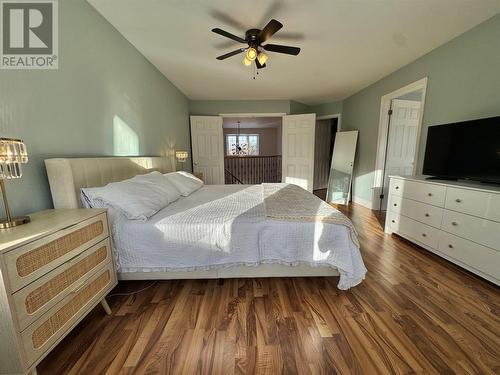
224, 226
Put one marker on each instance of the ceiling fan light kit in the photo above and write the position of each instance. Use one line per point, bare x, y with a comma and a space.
251, 54
255, 50
247, 62
262, 57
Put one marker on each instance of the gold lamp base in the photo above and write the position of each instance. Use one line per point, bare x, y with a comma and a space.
14, 222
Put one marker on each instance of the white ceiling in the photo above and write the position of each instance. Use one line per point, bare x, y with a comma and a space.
251, 122
346, 44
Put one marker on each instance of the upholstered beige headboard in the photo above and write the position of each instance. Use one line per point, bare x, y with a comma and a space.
67, 176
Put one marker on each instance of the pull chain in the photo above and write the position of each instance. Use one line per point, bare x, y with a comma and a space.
255, 72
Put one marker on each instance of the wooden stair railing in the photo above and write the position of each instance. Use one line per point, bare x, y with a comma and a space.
231, 179
252, 169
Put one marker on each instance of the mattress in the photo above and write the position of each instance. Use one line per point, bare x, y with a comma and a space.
224, 226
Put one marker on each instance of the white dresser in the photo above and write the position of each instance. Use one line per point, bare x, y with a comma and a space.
53, 271
458, 221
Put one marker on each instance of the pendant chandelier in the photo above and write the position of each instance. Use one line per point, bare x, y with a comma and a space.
238, 148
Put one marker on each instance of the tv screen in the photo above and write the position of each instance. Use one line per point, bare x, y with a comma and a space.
464, 150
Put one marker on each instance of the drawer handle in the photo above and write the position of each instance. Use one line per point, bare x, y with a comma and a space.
458, 200
395, 204
454, 223
424, 235
397, 187
78, 287
450, 246
429, 194
427, 215
393, 221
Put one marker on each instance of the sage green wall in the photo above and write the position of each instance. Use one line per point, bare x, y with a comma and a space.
70, 111
297, 108
331, 108
463, 83
216, 107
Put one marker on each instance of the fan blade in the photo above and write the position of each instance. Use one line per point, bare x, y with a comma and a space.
228, 35
235, 52
269, 30
290, 36
227, 20
282, 49
276, 7
259, 65
225, 44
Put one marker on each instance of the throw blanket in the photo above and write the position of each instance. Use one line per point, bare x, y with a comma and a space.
289, 202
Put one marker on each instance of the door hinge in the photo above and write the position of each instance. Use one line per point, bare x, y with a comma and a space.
390, 112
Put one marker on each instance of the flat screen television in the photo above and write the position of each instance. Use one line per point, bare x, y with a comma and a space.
466, 150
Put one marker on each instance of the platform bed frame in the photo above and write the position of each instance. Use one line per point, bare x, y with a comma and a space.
68, 175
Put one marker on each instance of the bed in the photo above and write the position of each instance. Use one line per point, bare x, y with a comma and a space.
219, 231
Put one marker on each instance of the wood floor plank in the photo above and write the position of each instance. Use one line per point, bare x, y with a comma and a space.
414, 313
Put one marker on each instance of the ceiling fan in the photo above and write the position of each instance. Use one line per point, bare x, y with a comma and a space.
255, 50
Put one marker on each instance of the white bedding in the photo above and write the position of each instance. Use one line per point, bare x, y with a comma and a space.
226, 225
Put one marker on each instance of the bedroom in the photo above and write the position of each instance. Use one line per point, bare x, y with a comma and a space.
128, 76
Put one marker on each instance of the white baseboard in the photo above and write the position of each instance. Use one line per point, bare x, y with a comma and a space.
362, 202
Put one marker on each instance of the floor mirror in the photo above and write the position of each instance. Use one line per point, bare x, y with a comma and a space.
340, 179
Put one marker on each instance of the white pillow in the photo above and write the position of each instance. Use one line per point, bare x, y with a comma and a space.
185, 182
160, 180
138, 198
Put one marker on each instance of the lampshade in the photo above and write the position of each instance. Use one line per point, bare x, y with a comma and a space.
247, 62
251, 54
262, 57
181, 156
13, 153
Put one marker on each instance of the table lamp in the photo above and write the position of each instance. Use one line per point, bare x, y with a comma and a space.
13, 153
181, 157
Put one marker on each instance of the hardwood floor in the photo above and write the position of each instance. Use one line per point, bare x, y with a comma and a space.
414, 313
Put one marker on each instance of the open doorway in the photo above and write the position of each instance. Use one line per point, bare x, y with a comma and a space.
252, 149
399, 133
324, 140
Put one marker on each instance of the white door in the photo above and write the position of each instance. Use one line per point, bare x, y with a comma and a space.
339, 182
402, 141
298, 150
208, 148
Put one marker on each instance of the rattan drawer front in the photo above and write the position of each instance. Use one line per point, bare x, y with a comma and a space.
36, 298
52, 326
29, 262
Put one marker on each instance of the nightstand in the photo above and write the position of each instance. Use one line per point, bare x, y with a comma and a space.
54, 270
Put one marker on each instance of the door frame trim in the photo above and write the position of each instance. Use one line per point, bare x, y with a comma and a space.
383, 128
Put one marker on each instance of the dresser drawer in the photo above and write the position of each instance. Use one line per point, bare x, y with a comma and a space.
46, 331
29, 262
472, 202
472, 254
485, 232
419, 191
405, 226
425, 213
36, 298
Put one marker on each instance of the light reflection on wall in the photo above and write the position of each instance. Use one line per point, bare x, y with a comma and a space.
125, 139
